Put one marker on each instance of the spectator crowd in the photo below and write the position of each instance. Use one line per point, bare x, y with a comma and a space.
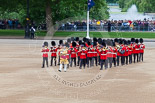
102, 25
10, 24
95, 25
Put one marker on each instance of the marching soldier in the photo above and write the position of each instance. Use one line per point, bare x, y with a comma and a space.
79, 52
136, 50
114, 54
94, 54
53, 52
103, 56
142, 47
45, 51
73, 52
83, 57
118, 44
130, 51
126, 54
109, 53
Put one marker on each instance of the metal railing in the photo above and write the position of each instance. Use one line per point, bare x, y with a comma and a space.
105, 28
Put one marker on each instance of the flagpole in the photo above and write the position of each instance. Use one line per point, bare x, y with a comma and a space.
88, 24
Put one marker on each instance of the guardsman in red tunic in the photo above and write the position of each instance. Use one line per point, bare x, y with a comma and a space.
118, 43
122, 51
53, 52
103, 57
130, 46
126, 54
73, 52
45, 51
142, 47
136, 50
114, 54
83, 58
89, 57
94, 54
109, 53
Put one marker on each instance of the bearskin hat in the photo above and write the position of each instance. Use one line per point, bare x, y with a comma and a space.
116, 40
141, 40
46, 43
53, 43
137, 41
77, 39
100, 41
120, 41
133, 40
129, 42
84, 39
104, 44
94, 39
74, 44
61, 42
80, 42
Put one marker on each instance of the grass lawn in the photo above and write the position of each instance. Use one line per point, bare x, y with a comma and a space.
83, 34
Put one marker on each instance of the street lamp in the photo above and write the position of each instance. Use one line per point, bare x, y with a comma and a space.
27, 27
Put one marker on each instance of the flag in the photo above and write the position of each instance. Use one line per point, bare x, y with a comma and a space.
90, 4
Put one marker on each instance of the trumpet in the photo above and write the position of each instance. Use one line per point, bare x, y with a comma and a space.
103, 49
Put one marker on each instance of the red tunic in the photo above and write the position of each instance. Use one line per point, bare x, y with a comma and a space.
114, 52
89, 53
94, 53
126, 51
83, 55
73, 53
142, 47
53, 52
103, 55
45, 52
130, 50
135, 49
109, 52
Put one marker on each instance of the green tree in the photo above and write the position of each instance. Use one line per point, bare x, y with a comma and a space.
51, 11
142, 5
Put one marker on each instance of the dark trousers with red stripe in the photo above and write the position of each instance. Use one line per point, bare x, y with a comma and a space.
118, 57
82, 62
103, 62
141, 56
94, 59
73, 59
130, 59
126, 59
53, 57
114, 61
45, 59
78, 62
89, 59
136, 56
110, 59
122, 60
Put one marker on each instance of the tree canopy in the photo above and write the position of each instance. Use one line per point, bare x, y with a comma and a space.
142, 5
58, 9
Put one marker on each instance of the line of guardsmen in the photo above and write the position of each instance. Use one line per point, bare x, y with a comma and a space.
88, 52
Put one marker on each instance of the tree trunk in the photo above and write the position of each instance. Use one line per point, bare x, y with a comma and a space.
49, 22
